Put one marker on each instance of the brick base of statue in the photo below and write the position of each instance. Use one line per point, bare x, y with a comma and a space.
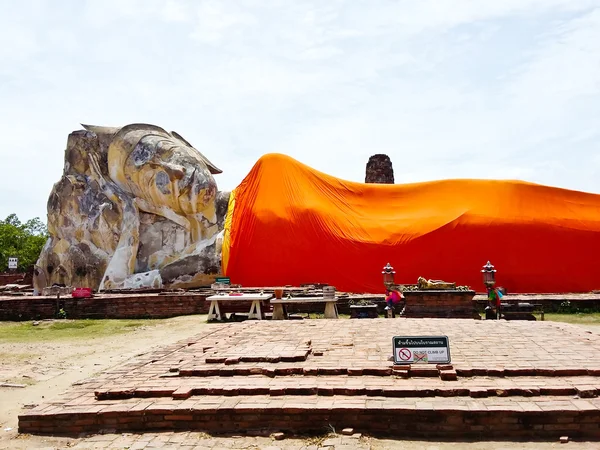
439, 303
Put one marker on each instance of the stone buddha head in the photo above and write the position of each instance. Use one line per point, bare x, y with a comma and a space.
162, 169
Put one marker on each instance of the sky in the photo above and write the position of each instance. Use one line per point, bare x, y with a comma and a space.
448, 89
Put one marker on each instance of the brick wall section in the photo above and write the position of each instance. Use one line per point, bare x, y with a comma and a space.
130, 306
451, 304
448, 423
103, 307
12, 278
169, 305
148, 306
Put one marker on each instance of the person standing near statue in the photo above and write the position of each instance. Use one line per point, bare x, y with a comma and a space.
494, 300
393, 297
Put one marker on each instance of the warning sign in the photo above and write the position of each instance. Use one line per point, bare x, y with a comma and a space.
421, 349
405, 354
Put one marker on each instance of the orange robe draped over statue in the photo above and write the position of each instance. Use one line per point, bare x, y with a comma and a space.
289, 224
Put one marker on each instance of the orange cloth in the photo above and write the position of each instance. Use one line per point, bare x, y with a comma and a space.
290, 224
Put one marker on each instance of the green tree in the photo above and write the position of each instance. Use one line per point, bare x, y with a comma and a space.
21, 240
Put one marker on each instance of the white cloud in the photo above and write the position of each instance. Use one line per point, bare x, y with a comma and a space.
21, 44
216, 20
448, 89
176, 11
567, 66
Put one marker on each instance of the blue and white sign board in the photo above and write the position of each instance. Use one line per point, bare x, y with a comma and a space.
13, 263
223, 280
421, 349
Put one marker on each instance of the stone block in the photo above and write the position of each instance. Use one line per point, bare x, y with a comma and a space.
215, 359
377, 371
478, 392
448, 375
401, 373
586, 391
423, 371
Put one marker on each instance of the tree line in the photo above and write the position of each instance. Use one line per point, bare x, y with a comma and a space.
21, 240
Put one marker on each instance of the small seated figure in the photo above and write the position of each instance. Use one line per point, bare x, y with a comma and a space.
434, 284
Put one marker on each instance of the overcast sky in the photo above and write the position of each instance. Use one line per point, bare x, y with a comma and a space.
448, 89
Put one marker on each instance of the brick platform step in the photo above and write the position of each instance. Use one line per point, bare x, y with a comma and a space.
198, 369
182, 388
344, 361
543, 417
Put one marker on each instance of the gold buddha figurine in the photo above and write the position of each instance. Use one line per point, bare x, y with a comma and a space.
435, 284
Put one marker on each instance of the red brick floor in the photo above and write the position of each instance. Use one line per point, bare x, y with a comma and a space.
524, 379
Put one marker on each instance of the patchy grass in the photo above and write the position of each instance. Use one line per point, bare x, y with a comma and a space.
27, 381
577, 318
67, 329
322, 315
6, 357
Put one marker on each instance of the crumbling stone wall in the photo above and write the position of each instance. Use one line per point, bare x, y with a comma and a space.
12, 278
379, 170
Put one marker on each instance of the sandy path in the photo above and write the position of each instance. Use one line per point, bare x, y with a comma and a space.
51, 367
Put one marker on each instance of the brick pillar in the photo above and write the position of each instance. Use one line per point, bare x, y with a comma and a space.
380, 170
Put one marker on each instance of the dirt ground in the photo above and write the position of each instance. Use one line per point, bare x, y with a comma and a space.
49, 368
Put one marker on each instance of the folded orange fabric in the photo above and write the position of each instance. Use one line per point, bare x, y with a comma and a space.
291, 224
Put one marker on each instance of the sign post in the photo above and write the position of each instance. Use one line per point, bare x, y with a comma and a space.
223, 280
421, 349
13, 263
221, 284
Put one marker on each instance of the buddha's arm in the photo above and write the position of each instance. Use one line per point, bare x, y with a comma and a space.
122, 262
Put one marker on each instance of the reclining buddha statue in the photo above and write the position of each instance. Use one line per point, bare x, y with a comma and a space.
136, 207
434, 284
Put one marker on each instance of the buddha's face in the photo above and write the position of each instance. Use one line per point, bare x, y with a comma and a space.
166, 171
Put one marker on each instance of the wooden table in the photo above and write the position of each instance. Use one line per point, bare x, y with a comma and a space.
279, 312
214, 312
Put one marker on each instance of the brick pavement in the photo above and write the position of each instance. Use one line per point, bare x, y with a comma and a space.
528, 379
